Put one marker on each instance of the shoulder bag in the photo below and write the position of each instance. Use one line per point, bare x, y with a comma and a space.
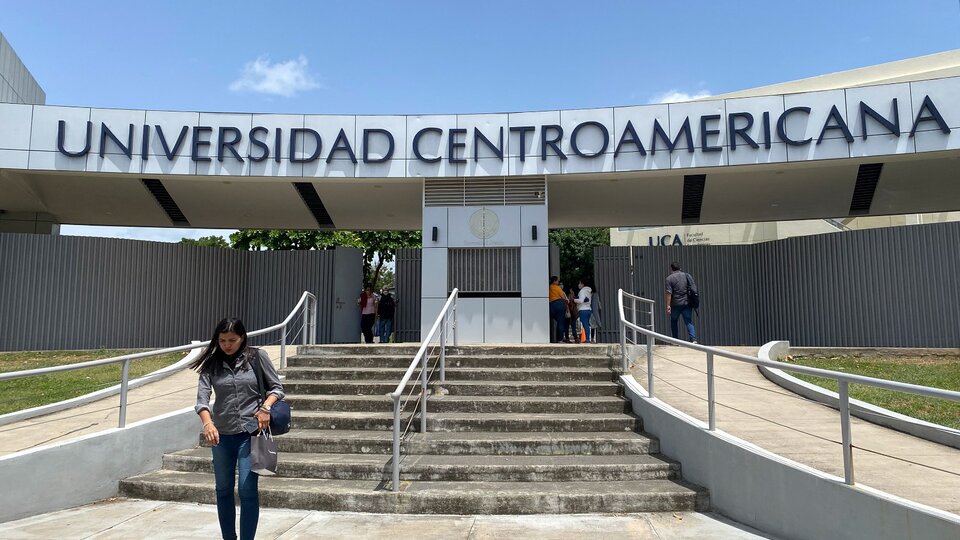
280, 411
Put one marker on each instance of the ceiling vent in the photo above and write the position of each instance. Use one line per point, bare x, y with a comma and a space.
166, 202
693, 185
867, 177
310, 198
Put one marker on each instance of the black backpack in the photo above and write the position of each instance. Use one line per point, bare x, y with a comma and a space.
386, 307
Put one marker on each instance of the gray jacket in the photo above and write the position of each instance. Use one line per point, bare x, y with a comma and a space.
237, 392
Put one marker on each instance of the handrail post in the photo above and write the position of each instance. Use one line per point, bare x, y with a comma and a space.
283, 347
455, 342
623, 347
649, 367
845, 432
711, 394
313, 321
653, 328
396, 444
636, 319
124, 378
443, 350
305, 326
423, 393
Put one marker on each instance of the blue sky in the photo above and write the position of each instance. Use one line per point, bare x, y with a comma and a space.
418, 57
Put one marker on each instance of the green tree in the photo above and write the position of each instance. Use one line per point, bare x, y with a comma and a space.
576, 252
379, 247
207, 241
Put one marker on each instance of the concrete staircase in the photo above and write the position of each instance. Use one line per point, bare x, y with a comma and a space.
517, 430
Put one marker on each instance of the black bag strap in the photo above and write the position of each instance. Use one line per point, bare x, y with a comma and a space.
258, 371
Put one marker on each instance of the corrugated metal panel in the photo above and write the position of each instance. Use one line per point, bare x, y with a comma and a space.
892, 287
525, 191
408, 275
484, 270
443, 192
484, 191
612, 271
59, 292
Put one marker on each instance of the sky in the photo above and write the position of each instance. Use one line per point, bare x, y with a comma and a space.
419, 57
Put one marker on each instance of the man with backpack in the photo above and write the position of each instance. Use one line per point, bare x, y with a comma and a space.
385, 310
681, 298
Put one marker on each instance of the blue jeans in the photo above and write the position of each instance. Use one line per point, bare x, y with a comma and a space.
687, 313
384, 329
558, 312
585, 322
232, 451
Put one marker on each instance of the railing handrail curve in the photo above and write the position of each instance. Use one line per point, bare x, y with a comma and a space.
423, 346
818, 372
144, 354
843, 379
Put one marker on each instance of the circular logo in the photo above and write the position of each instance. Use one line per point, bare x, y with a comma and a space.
484, 224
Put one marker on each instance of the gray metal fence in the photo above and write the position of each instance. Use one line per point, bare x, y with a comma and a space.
406, 323
63, 292
890, 287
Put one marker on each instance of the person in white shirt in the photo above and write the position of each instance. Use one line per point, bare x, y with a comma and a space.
584, 308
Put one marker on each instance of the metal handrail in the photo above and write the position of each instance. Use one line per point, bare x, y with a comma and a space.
624, 360
421, 358
308, 337
843, 380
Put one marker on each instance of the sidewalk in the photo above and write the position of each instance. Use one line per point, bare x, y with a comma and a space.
749, 407
130, 518
754, 409
170, 394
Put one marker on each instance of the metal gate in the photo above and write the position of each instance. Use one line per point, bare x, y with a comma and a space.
406, 324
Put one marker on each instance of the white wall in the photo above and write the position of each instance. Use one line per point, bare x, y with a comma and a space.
90, 468
786, 499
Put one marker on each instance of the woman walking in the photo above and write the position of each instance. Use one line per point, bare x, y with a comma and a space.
368, 312
228, 368
584, 309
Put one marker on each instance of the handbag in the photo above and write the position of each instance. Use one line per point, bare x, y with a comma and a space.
280, 413
263, 454
693, 295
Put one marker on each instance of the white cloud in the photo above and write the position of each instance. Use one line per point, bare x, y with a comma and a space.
675, 96
153, 234
278, 79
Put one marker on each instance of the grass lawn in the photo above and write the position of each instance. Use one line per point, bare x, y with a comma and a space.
29, 392
937, 371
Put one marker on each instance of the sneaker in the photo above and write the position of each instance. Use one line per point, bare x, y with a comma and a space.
694, 342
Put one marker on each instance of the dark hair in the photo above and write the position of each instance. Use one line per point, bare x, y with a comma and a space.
554, 279
212, 357
674, 266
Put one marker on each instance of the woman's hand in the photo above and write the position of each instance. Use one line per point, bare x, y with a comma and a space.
211, 434
263, 419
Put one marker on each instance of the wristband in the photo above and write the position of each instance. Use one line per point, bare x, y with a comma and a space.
206, 424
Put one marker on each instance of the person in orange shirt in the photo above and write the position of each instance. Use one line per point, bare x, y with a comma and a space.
558, 310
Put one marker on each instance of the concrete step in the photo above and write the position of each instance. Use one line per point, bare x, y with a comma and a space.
478, 404
531, 388
486, 422
526, 422
460, 388
469, 443
425, 497
568, 374
451, 468
351, 388
467, 361
410, 350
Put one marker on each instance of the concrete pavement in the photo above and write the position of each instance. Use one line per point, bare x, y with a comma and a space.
754, 409
749, 407
157, 520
